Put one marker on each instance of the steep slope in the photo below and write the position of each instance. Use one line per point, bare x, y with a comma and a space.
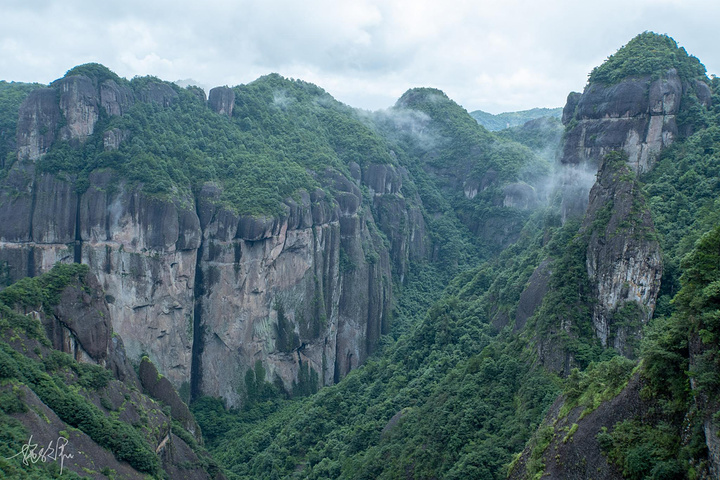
268, 223
660, 424
491, 185
638, 102
459, 394
78, 394
178, 208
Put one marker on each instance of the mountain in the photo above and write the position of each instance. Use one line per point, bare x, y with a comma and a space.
397, 294
572, 323
505, 120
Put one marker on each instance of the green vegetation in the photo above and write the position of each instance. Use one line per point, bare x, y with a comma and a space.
44, 290
281, 131
457, 389
669, 442
648, 54
508, 120
48, 377
63, 385
458, 394
96, 72
600, 382
542, 135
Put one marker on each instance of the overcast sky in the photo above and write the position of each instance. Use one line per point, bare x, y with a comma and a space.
492, 55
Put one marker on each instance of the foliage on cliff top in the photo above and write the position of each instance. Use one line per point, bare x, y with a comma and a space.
683, 193
282, 136
43, 290
96, 72
648, 54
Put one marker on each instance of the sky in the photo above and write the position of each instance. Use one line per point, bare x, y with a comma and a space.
491, 55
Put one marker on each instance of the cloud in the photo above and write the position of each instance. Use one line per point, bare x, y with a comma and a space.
485, 54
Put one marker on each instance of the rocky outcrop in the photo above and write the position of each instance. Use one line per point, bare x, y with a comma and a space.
573, 452
187, 277
38, 121
531, 297
115, 99
161, 389
67, 111
222, 100
638, 116
623, 259
79, 105
157, 92
79, 324
203, 292
399, 218
309, 289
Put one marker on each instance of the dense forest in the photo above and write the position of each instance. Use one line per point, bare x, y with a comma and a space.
493, 361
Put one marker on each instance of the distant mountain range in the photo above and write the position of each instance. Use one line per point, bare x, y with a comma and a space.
513, 119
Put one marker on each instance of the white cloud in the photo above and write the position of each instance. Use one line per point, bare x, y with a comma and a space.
485, 54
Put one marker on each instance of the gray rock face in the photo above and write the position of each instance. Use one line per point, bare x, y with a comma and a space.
79, 104
115, 99
38, 121
308, 289
577, 455
80, 325
531, 298
636, 116
623, 258
203, 292
157, 92
77, 101
222, 100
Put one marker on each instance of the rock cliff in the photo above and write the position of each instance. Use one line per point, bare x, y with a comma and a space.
623, 257
638, 116
204, 292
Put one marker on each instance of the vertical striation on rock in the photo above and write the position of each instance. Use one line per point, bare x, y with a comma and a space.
207, 294
222, 100
623, 259
638, 116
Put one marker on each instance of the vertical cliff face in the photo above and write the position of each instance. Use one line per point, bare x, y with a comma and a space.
204, 292
638, 116
623, 257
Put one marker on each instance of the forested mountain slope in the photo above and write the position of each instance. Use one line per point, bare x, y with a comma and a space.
570, 307
250, 244
505, 120
472, 305
69, 390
